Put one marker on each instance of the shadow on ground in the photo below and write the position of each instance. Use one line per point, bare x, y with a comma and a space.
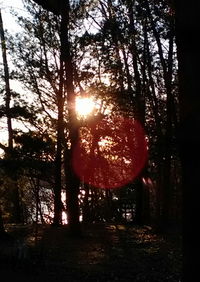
104, 252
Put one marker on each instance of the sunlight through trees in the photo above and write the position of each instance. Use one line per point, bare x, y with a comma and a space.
101, 89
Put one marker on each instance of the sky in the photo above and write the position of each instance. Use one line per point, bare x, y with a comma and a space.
8, 19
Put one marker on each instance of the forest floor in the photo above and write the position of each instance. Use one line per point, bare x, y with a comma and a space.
104, 252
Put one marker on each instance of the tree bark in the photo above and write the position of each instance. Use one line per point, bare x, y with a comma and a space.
59, 148
7, 86
2, 229
166, 151
73, 127
140, 109
17, 210
167, 189
8, 97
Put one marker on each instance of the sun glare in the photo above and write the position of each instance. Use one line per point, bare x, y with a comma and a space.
84, 106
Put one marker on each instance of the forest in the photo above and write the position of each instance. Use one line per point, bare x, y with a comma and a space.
99, 117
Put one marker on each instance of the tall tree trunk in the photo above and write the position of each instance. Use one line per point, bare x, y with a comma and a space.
115, 36
189, 89
73, 181
7, 86
159, 144
59, 148
140, 108
15, 189
63, 8
167, 189
165, 183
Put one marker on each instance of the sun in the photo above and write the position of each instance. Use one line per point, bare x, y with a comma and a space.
84, 106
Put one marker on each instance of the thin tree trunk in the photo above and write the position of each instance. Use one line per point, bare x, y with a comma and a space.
59, 148
7, 86
167, 190
140, 109
138, 84
114, 34
159, 143
15, 189
128, 75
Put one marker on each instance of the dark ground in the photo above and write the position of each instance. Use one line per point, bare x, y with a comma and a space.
105, 252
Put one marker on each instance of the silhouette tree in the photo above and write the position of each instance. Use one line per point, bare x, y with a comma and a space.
51, 5
189, 88
7, 111
63, 8
15, 108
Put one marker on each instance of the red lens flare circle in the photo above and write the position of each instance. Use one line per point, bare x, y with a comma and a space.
111, 153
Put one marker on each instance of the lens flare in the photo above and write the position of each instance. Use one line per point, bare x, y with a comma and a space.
112, 153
